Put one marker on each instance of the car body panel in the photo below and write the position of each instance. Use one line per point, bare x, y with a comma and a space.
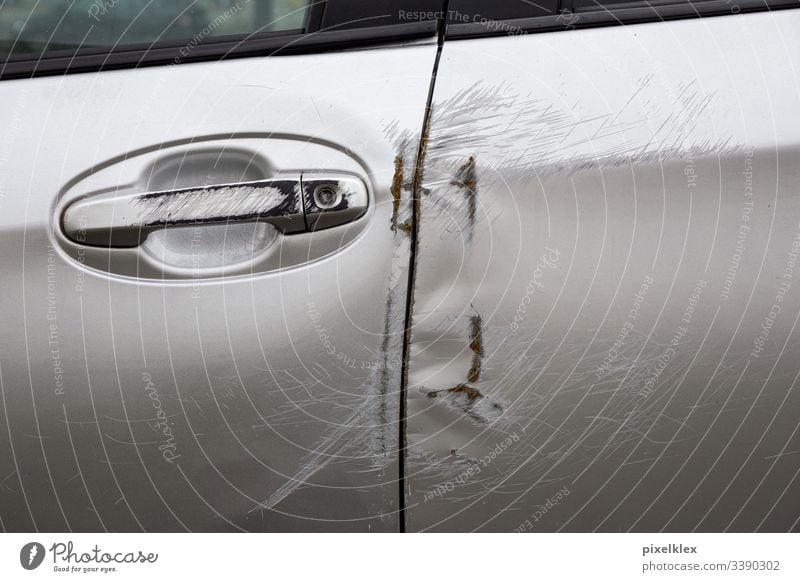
605, 303
262, 397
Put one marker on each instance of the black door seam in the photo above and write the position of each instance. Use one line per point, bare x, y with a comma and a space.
416, 194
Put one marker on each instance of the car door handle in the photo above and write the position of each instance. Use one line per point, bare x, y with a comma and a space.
292, 204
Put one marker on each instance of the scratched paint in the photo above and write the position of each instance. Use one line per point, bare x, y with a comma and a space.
371, 431
588, 205
192, 205
279, 389
126, 220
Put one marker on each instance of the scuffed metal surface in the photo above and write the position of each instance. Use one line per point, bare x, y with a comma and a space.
397, 185
125, 220
371, 431
467, 179
464, 397
276, 392
591, 210
287, 203
218, 202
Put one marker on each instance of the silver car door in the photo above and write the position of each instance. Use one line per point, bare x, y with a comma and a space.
205, 271
606, 305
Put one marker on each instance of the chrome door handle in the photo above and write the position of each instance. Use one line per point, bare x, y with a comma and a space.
292, 204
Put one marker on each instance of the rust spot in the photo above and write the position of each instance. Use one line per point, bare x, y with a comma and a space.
406, 226
417, 189
467, 179
397, 187
476, 345
471, 393
419, 173
471, 402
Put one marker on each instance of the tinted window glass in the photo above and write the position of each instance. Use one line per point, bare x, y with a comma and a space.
38, 25
484, 12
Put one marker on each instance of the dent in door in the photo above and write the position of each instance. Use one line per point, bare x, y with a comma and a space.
623, 232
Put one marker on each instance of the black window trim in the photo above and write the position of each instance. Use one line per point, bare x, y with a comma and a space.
620, 14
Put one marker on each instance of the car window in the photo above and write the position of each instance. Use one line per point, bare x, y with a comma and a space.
34, 26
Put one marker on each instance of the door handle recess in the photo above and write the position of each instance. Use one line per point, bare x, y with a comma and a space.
292, 204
